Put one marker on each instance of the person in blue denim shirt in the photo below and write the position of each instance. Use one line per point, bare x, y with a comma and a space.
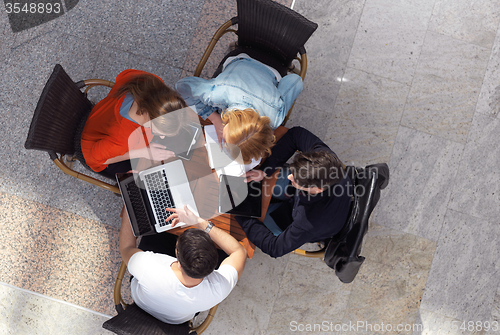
244, 83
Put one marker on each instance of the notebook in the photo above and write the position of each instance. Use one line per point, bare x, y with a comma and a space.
155, 189
239, 198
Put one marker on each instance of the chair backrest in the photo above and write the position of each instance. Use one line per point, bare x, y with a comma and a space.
57, 115
342, 252
270, 26
135, 321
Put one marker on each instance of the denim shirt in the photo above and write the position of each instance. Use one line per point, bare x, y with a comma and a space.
244, 83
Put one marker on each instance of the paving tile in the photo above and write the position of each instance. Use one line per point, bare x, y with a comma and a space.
30, 174
465, 269
423, 169
308, 296
389, 38
393, 247
476, 189
95, 19
328, 49
320, 91
495, 313
35, 60
58, 254
159, 30
7, 37
27, 313
248, 308
489, 98
446, 87
366, 118
313, 264
113, 61
212, 16
388, 289
473, 21
430, 323
312, 119
34, 33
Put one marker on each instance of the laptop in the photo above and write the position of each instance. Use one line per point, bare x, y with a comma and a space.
183, 144
155, 189
239, 198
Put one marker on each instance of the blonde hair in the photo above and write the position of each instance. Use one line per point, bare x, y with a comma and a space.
155, 98
250, 132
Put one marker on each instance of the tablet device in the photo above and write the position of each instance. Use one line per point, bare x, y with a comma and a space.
239, 198
183, 143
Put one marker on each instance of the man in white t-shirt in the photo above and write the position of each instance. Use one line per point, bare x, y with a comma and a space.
174, 289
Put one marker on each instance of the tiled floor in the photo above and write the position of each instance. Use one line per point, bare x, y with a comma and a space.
412, 83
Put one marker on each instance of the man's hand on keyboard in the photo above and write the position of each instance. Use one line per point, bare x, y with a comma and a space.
184, 215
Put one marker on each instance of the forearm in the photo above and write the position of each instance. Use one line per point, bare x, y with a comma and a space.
225, 241
265, 240
136, 153
118, 158
215, 119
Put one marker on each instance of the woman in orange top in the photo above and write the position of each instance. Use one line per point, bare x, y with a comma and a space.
110, 137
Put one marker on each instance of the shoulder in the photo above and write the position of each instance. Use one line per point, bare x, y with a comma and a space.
226, 273
143, 261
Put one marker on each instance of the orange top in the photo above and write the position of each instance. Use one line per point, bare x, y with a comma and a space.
107, 134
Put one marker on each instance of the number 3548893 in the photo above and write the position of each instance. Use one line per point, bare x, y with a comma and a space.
33, 8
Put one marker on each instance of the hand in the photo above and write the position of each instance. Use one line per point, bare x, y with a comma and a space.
256, 175
219, 130
157, 152
216, 120
184, 215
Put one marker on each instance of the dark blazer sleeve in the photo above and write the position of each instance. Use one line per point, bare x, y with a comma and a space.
296, 138
275, 246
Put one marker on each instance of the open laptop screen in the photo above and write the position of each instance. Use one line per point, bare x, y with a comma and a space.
239, 198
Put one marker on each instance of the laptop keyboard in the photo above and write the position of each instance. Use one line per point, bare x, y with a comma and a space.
161, 197
141, 216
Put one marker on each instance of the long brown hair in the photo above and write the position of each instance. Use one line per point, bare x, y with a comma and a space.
155, 98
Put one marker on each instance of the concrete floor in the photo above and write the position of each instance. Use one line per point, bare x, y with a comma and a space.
411, 83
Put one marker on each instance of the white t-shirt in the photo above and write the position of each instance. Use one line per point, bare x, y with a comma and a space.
157, 290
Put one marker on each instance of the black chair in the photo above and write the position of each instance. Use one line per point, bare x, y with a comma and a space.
131, 320
58, 122
342, 251
268, 32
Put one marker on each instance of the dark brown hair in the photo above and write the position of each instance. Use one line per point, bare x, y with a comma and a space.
196, 253
317, 169
155, 98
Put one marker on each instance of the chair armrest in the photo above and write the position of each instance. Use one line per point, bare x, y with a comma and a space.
303, 65
310, 254
201, 328
208, 51
117, 292
61, 165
